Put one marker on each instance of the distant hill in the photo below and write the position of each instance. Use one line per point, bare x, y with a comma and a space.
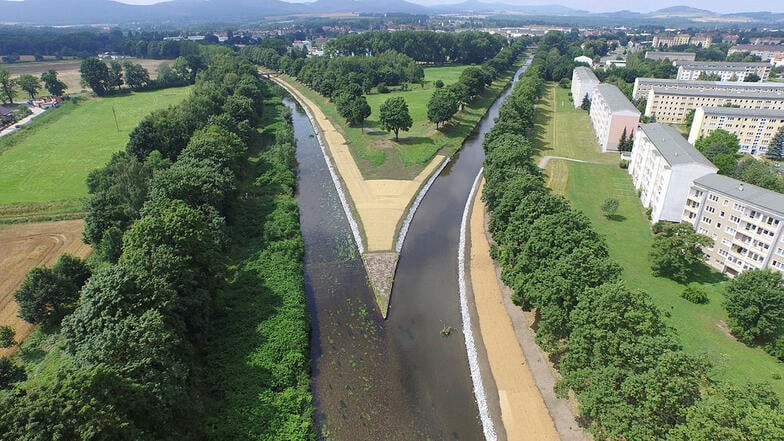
477, 6
681, 11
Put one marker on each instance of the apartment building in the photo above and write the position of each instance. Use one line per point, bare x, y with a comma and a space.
663, 166
755, 128
764, 51
744, 221
727, 71
672, 56
583, 83
643, 85
611, 113
671, 106
669, 40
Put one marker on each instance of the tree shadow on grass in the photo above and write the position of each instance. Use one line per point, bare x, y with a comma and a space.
705, 274
616, 217
415, 140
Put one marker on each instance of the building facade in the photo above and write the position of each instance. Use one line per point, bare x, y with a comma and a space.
744, 221
755, 128
764, 51
663, 166
727, 71
670, 40
643, 85
583, 83
671, 106
672, 56
611, 114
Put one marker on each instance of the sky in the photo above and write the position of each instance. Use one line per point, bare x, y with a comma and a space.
721, 6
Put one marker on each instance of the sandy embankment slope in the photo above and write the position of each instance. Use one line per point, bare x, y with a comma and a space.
525, 412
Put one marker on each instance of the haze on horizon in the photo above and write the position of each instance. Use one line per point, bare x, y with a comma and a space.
719, 6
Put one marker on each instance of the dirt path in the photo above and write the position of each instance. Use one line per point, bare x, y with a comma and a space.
546, 159
23, 246
529, 408
380, 203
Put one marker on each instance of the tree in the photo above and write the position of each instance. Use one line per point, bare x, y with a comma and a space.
677, 252
136, 76
359, 110
394, 115
609, 207
441, 107
751, 78
690, 117
720, 147
704, 76
30, 84
52, 83
8, 85
438, 84
10, 373
586, 104
755, 306
7, 335
95, 75
626, 142
776, 147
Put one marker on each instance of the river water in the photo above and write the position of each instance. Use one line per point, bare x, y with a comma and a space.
400, 379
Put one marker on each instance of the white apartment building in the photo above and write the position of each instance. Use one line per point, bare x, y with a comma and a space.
663, 166
611, 113
755, 128
643, 85
672, 56
764, 51
727, 71
583, 83
744, 221
671, 106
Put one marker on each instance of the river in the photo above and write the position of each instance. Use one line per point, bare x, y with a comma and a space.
398, 379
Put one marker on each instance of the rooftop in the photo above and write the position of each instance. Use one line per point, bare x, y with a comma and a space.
726, 65
585, 74
721, 93
734, 111
672, 146
758, 47
762, 198
615, 99
713, 84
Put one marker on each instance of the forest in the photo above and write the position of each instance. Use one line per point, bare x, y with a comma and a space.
195, 231
610, 343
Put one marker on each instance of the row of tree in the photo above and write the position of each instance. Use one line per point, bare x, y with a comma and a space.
30, 84
138, 334
610, 342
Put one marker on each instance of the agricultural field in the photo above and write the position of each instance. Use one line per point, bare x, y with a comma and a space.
49, 159
68, 71
24, 246
376, 152
701, 328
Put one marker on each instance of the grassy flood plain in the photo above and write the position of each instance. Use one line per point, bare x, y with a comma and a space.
562, 130
376, 152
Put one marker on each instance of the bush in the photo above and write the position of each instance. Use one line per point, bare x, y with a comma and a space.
695, 295
624, 164
565, 83
439, 84
382, 88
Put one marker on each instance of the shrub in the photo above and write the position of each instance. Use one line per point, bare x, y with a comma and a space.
439, 84
382, 88
695, 295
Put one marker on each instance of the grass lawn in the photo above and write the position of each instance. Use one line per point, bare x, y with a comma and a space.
49, 159
376, 152
701, 328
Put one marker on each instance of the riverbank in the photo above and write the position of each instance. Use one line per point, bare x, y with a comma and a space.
529, 408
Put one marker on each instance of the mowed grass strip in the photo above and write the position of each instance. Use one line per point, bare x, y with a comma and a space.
377, 154
49, 160
701, 328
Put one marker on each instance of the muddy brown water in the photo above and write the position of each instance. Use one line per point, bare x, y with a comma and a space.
400, 379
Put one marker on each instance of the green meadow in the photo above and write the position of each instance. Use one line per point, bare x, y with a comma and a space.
562, 130
50, 158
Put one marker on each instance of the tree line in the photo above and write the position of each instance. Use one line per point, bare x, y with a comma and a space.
144, 334
109, 79
614, 351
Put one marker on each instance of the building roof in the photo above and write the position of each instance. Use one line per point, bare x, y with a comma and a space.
672, 146
734, 111
615, 99
713, 84
660, 54
746, 93
585, 74
742, 191
758, 47
723, 65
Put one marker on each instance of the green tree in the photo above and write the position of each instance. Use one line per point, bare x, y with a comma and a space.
625, 143
136, 76
755, 306
751, 78
394, 115
704, 76
690, 117
95, 74
10, 373
586, 104
359, 111
8, 84
441, 107
52, 83
609, 207
438, 84
30, 84
7, 335
776, 147
721, 148
677, 253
